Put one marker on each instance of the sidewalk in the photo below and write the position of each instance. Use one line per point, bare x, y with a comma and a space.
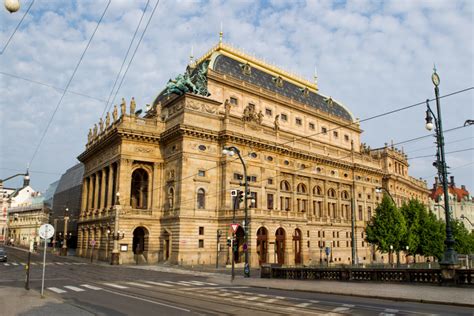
399, 292
18, 301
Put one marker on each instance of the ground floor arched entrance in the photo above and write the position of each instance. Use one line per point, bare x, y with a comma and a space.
239, 245
262, 245
297, 246
280, 245
166, 246
138, 244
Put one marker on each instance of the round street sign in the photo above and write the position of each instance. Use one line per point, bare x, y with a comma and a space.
46, 231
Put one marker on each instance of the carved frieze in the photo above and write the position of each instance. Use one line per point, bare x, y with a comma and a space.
201, 106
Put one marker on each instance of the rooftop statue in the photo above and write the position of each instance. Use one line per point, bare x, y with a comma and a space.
193, 82
133, 106
123, 106
107, 120
115, 113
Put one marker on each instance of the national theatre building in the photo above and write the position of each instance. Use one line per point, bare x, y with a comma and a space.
157, 186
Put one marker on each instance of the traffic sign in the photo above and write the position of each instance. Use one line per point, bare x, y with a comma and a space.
46, 231
234, 227
92, 242
328, 250
245, 247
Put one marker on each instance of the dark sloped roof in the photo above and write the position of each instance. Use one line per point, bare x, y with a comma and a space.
228, 66
71, 178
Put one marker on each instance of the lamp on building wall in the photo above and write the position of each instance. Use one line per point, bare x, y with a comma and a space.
12, 5
118, 234
231, 151
450, 255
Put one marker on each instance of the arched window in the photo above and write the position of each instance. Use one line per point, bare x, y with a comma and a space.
284, 186
201, 198
332, 193
345, 195
317, 190
171, 198
301, 188
139, 189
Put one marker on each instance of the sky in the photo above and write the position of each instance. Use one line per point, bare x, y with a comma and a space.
373, 56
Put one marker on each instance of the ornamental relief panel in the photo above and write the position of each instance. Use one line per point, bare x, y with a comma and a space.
202, 147
201, 107
101, 158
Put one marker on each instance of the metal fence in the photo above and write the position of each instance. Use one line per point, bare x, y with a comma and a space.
462, 277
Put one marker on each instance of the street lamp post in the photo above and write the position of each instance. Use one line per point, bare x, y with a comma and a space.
64, 247
382, 189
230, 151
407, 248
391, 256
450, 255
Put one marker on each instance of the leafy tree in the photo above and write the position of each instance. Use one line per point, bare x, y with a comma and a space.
464, 241
412, 211
387, 228
431, 235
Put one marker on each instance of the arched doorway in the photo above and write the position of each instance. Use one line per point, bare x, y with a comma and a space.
239, 247
166, 246
139, 240
139, 189
280, 245
262, 245
297, 246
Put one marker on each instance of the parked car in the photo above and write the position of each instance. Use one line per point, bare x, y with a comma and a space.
3, 255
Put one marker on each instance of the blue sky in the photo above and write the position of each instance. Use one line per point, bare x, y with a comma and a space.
372, 56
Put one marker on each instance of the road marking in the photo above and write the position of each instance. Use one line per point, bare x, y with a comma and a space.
348, 305
171, 282
314, 302
303, 305
6, 264
59, 263
138, 284
14, 263
55, 289
158, 283
75, 289
149, 301
224, 294
203, 283
389, 310
67, 263
271, 300
23, 264
340, 309
197, 282
33, 263
91, 287
262, 295
116, 286
253, 298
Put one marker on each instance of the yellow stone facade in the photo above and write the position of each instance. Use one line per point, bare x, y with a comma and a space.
304, 166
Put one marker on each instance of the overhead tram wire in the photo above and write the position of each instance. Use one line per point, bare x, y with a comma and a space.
50, 86
31, 171
68, 84
451, 152
17, 27
446, 143
135, 51
349, 124
453, 168
124, 59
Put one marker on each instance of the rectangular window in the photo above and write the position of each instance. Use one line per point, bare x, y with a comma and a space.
346, 138
324, 234
253, 199
238, 176
287, 204
233, 101
201, 243
319, 234
270, 181
201, 230
251, 178
268, 112
284, 117
202, 173
270, 201
298, 121
324, 130
336, 134
311, 126
360, 212
369, 213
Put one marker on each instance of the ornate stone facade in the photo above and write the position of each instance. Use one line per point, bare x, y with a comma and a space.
305, 167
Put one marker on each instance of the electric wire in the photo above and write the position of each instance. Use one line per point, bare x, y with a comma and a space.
451, 152
68, 83
31, 171
134, 52
17, 27
457, 167
50, 86
446, 143
124, 59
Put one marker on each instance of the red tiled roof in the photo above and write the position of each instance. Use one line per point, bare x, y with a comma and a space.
458, 192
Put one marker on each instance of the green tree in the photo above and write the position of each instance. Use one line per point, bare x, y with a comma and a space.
431, 235
387, 228
464, 242
412, 211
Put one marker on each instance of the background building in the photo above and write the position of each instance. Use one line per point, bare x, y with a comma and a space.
307, 169
461, 203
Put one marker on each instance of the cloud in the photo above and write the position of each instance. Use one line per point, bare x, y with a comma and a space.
372, 56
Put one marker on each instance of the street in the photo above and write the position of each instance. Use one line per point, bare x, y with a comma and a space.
118, 290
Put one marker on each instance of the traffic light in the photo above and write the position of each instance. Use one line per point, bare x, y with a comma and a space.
236, 245
240, 196
229, 241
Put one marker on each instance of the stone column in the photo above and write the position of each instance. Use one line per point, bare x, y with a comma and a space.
110, 191
102, 190
80, 233
85, 196
89, 193
96, 192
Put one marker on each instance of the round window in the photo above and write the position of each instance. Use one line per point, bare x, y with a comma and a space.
270, 158
286, 162
202, 147
253, 155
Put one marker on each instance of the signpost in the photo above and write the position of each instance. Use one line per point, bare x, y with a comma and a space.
46, 231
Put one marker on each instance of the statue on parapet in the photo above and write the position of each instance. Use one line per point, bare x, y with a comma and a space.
89, 136
115, 113
107, 120
277, 122
101, 125
260, 117
95, 131
123, 106
133, 106
227, 107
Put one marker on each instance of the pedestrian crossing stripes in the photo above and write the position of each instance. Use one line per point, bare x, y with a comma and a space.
92, 287
17, 264
116, 286
56, 290
158, 283
73, 288
138, 284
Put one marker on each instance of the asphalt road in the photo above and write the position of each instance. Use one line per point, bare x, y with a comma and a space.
114, 290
